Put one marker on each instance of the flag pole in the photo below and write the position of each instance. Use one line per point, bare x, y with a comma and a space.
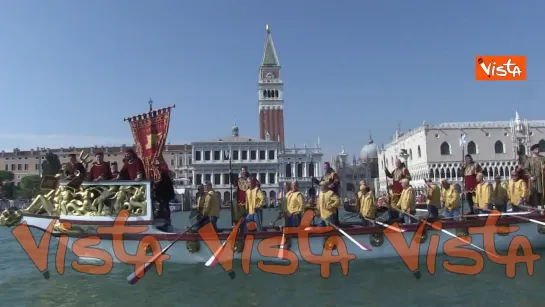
463, 194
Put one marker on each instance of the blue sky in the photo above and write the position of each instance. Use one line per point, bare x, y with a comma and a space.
72, 70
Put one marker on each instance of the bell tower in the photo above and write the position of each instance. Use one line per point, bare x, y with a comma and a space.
271, 94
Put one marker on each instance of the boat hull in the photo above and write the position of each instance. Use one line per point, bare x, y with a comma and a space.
191, 249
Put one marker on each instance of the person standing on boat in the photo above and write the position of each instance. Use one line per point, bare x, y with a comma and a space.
101, 169
241, 184
259, 211
133, 169
470, 169
407, 200
199, 199
367, 206
399, 173
483, 195
164, 193
331, 179
450, 199
500, 195
253, 202
517, 191
210, 211
533, 168
294, 205
114, 170
433, 199
328, 205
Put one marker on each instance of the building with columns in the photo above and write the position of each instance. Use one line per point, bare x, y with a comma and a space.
301, 164
270, 94
260, 157
435, 151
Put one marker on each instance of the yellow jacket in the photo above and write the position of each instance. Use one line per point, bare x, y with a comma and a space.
483, 195
450, 197
327, 202
407, 200
200, 203
434, 196
500, 196
254, 200
211, 205
294, 202
368, 207
517, 191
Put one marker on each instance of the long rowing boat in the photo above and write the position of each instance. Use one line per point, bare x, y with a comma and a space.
89, 208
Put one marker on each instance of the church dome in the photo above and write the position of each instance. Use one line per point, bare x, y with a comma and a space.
369, 151
234, 130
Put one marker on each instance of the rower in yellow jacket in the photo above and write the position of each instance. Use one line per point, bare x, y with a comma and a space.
253, 202
211, 206
517, 191
328, 204
294, 206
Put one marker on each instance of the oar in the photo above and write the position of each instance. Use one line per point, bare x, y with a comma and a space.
385, 225
444, 231
281, 250
523, 218
214, 260
133, 278
489, 214
358, 244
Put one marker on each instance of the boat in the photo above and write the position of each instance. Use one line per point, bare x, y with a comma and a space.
79, 212
84, 218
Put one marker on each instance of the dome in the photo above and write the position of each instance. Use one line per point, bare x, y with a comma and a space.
369, 151
234, 130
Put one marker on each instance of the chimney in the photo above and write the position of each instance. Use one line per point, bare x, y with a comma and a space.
31, 152
105, 149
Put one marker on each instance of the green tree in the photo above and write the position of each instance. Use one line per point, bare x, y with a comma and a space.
52, 165
6, 176
7, 188
29, 187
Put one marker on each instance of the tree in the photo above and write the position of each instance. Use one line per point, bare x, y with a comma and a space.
52, 165
6, 184
30, 186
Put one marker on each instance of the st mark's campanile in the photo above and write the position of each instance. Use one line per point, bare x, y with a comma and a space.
271, 95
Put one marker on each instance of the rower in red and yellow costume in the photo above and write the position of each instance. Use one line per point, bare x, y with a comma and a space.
332, 182
101, 169
470, 169
133, 169
399, 173
242, 184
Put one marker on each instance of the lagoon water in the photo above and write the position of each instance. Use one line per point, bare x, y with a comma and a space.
371, 283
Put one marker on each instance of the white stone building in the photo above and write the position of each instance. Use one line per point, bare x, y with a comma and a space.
211, 162
435, 152
301, 164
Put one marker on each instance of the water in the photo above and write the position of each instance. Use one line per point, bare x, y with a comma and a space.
369, 283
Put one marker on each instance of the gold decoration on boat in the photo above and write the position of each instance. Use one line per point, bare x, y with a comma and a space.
91, 200
330, 244
540, 229
376, 239
239, 246
10, 218
424, 237
462, 232
193, 246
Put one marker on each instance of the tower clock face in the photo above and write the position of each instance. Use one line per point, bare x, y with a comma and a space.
269, 74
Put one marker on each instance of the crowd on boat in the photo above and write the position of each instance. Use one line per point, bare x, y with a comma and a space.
522, 192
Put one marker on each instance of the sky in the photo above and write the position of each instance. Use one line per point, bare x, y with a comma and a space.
72, 70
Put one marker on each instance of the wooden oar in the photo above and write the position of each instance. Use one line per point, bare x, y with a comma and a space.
281, 250
385, 225
214, 260
358, 244
488, 214
133, 278
444, 231
523, 218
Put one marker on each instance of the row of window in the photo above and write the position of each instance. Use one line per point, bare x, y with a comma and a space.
19, 167
499, 148
200, 178
299, 170
215, 155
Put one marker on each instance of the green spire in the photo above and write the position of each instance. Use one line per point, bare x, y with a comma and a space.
269, 57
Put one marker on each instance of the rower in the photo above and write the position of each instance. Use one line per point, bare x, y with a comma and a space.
253, 201
294, 205
114, 170
328, 204
517, 191
483, 195
407, 201
210, 210
500, 195
199, 199
101, 169
433, 195
368, 207
450, 200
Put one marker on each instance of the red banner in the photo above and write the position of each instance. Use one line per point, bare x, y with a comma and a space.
150, 132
